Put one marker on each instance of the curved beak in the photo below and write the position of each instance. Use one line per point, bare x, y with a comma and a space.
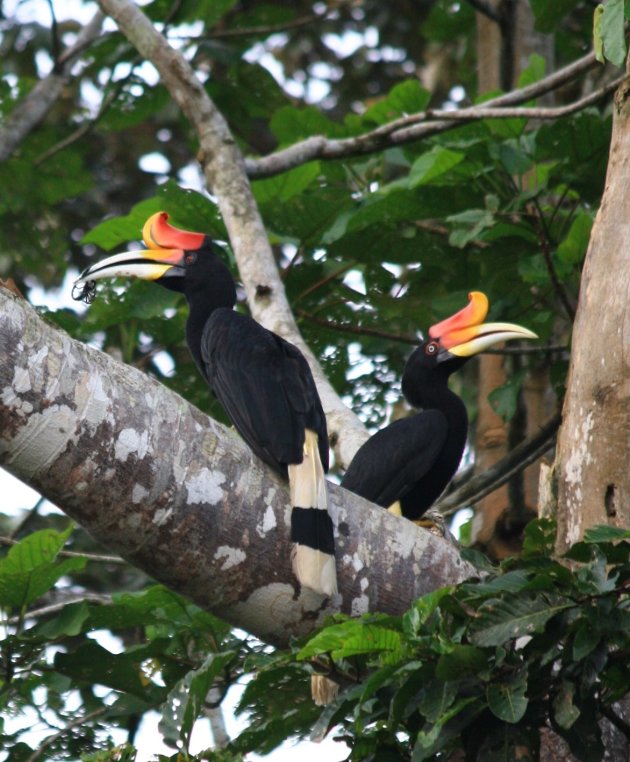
148, 265
165, 255
473, 340
464, 334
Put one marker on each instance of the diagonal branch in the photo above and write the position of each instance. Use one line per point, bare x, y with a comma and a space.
183, 498
502, 471
224, 170
34, 107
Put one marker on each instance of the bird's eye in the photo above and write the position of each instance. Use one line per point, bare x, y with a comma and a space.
190, 258
431, 348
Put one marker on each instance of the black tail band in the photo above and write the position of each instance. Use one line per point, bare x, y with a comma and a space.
314, 528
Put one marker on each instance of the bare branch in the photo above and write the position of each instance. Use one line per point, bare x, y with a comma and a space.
181, 497
82, 720
55, 608
416, 126
34, 107
224, 170
502, 471
96, 557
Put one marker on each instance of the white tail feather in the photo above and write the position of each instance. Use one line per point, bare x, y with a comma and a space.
307, 483
315, 569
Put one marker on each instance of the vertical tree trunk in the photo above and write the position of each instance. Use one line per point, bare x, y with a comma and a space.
592, 463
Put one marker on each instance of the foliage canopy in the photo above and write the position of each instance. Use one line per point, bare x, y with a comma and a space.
372, 248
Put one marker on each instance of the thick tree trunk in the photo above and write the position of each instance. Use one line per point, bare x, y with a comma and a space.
184, 499
592, 463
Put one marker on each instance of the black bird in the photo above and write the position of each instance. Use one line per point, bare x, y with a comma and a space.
406, 466
263, 382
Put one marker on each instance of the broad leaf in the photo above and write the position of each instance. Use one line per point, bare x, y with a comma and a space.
507, 700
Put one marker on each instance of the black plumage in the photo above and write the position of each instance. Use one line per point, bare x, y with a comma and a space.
407, 465
263, 382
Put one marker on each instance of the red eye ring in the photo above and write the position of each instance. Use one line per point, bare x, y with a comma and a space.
190, 257
431, 348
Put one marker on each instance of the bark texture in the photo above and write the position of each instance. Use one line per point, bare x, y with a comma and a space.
594, 442
183, 498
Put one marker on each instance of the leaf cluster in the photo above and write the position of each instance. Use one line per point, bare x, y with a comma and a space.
485, 666
84, 673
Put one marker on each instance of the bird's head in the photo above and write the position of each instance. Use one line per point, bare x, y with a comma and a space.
453, 341
464, 334
173, 258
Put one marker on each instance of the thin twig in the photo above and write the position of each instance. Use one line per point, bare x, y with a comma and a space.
265, 29
34, 107
414, 340
54, 608
96, 557
543, 240
29, 515
87, 127
72, 724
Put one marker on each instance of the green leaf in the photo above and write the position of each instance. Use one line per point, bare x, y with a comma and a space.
187, 700
437, 697
540, 538
501, 620
573, 249
504, 399
586, 639
188, 209
605, 533
70, 622
29, 569
91, 663
612, 31
284, 186
507, 700
423, 608
404, 98
35, 550
431, 165
598, 42
352, 638
462, 661
428, 743
548, 15
471, 223
564, 710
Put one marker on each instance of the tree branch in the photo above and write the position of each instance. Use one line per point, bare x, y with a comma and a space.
34, 107
416, 126
502, 471
224, 170
178, 495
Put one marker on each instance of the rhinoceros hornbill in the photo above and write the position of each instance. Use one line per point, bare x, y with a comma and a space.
263, 382
405, 466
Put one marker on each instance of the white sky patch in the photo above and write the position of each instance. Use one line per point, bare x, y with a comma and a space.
359, 364
354, 279
346, 44
155, 163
